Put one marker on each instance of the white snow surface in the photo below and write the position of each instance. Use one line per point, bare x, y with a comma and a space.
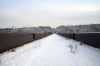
51, 51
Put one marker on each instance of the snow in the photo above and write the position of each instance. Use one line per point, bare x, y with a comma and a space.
51, 51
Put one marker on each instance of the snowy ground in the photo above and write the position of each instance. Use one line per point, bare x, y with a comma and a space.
52, 51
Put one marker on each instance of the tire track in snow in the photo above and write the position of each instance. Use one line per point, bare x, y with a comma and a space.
54, 48
37, 54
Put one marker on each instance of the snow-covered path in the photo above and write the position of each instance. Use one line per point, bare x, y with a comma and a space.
51, 51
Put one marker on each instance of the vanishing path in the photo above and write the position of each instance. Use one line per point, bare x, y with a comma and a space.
51, 51
53, 54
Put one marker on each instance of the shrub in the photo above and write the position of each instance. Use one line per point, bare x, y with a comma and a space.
73, 49
12, 50
81, 43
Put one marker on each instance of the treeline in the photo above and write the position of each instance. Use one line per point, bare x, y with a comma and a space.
60, 29
78, 28
40, 29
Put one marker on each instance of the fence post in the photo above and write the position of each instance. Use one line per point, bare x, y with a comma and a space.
74, 36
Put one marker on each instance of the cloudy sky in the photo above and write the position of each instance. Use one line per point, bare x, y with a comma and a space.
53, 13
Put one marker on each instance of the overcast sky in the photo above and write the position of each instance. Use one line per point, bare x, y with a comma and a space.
53, 13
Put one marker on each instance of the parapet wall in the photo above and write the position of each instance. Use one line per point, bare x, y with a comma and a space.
92, 39
11, 40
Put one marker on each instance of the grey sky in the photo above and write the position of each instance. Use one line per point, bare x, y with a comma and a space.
53, 13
